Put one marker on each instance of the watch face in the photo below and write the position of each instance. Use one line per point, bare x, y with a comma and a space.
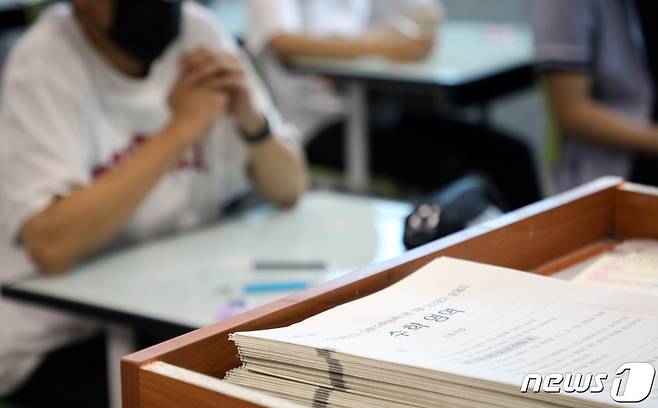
261, 135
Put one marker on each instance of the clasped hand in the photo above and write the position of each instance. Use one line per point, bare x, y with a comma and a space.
210, 85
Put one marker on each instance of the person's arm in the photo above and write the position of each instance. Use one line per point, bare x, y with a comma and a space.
278, 171
579, 115
77, 224
279, 26
399, 48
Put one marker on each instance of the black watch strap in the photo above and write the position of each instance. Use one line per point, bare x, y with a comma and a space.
260, 136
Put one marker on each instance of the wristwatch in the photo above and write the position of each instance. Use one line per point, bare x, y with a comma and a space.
260, 136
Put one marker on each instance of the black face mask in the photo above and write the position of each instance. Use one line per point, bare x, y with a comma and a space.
144, 28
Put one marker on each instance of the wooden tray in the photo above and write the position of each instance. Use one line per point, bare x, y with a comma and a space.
544, 238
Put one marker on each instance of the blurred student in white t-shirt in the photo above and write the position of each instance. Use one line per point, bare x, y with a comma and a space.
401, 30
121, 120
409, 141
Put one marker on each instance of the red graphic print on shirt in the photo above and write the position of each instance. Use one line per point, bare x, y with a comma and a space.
189, 160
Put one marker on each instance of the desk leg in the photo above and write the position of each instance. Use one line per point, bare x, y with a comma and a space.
357, 152
120, 342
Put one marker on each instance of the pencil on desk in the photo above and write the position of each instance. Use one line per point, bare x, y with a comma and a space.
288, 265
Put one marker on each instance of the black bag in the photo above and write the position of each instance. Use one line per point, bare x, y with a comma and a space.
467, 201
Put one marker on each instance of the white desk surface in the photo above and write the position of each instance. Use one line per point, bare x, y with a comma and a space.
464, 52
232, 14
7, 3
14, 4
188, 280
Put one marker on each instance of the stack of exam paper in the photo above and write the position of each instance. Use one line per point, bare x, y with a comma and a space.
457, 334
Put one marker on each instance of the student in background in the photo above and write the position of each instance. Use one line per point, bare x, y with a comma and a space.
281, 29
120, 120
412, 146
596, 58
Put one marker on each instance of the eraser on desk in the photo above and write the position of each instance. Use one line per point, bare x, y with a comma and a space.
231, 309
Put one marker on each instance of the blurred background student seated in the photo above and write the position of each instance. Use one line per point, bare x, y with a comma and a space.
599, 62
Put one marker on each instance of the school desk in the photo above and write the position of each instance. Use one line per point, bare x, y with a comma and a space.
232, 14
184, 282
472, 64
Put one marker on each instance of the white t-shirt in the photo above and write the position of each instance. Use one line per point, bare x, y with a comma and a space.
311, 102
67, 117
